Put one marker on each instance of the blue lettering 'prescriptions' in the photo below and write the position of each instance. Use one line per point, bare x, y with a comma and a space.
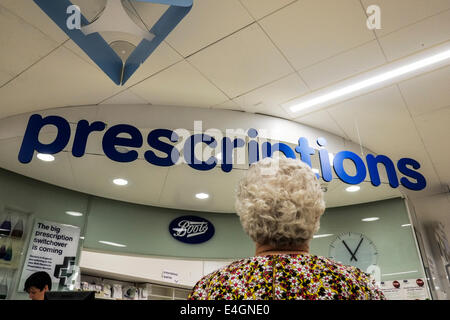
128, 136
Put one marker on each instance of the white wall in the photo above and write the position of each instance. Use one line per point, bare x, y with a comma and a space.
148, 268
429, 211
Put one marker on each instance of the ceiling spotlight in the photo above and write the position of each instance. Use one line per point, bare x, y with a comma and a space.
120, 182
370, 219
113, 244
45, 157
202, 196
74, 213
353, 188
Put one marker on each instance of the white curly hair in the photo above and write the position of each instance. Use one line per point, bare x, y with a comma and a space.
280, 202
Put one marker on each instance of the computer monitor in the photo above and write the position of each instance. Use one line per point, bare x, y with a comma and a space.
70, 295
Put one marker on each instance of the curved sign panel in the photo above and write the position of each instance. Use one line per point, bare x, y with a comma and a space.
191, 229
408, 167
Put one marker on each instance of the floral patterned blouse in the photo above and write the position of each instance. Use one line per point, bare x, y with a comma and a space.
286, 276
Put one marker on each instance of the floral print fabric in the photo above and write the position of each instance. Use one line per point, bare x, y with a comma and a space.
287, 276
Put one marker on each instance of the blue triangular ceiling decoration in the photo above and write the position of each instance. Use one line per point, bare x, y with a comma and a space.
99, 50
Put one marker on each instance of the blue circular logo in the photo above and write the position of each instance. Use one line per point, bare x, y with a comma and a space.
191, 229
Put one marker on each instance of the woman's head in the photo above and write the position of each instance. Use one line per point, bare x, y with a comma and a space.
37, 285
279, 202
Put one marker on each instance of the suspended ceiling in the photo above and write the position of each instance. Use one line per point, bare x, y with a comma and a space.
251, 56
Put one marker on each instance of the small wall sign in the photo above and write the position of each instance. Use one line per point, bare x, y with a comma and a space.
191, 229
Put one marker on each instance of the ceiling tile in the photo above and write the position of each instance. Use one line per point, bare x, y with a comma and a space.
125, 97
322, 120
340, 26
207, 22
72, 46
385, 127
64, 80
416, 37
179, 85
242, 62
377, 117
271, 95
163, 57
268, 109
343, 65
32, 14
427, 92
227, 105
23, 47
261, 8
4, 77
434, 129
401, 13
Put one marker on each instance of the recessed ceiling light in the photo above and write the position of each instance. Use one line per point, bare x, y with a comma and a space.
371, 81
370, 219
353, 188
74, 213
120, 182
45, 157
322, 235
109, 243
202, 196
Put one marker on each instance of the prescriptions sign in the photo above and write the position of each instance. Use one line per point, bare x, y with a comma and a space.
169, 152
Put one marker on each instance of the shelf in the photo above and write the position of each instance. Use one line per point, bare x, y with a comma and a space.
154, 291
155, 297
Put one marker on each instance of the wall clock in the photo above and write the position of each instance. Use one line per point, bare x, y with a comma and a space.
354, 249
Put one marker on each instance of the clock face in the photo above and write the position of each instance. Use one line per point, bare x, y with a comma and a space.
354, 249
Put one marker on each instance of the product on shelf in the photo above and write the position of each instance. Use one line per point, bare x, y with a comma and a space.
17, 231
5, 227
9, 252
117, 291
4, 286
2, 247
107, 291
130, 292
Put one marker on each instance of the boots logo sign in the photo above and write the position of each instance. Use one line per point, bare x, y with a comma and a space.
191, 229
119, 64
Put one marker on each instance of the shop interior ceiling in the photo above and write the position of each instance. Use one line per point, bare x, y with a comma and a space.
245, 55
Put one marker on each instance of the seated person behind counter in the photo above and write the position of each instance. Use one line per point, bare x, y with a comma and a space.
280, 203
37, 285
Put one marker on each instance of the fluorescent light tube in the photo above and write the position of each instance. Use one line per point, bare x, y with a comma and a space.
113, 244
397, 72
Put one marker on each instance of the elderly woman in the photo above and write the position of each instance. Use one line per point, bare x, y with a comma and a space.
279, 203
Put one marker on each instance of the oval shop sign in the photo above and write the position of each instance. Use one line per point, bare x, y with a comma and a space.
191, 229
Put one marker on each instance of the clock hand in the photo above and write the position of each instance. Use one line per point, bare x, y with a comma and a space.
359, 244
353, 255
